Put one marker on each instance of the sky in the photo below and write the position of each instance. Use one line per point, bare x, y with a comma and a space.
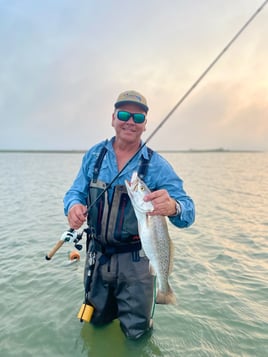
63, 63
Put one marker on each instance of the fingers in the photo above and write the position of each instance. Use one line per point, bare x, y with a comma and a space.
163, 204
77, 216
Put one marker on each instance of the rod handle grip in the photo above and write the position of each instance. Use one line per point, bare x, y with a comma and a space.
54, 249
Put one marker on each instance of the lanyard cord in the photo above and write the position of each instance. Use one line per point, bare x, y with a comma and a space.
187, 93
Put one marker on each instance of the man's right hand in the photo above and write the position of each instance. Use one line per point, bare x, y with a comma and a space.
77, 215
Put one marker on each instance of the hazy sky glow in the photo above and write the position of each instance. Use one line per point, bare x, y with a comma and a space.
63, 63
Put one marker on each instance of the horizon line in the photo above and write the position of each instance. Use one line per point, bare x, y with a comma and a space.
215, 150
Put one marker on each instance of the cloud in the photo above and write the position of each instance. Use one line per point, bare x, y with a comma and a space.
64, 65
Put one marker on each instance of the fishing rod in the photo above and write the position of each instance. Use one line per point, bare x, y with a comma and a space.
71, 235
187, 93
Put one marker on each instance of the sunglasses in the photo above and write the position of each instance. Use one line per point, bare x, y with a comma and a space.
138, 118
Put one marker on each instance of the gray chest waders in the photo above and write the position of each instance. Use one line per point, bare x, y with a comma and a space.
108, 224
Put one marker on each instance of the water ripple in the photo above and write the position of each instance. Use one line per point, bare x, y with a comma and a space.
219, 276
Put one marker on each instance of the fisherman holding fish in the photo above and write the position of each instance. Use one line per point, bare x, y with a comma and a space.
127, 240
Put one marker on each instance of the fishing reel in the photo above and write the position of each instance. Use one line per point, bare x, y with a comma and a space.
73, 236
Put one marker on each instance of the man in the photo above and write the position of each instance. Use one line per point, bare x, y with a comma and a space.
120, 285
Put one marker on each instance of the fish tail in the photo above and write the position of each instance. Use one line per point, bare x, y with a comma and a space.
166, 297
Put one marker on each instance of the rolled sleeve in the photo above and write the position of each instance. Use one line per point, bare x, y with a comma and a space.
161, 175
187, 214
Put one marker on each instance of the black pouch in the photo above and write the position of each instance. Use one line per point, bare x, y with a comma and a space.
90, 259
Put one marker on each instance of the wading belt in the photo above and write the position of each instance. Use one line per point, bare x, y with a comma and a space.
109, 249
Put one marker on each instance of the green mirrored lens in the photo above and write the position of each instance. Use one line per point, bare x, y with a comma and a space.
124, 116
138, 117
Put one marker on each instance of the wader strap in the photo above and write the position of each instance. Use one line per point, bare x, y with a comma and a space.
144, 164
143, 167
98, 162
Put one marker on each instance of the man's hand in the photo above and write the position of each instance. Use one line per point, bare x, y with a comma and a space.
77, 215
163, 204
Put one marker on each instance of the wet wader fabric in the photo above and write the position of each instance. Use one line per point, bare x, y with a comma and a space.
123, 289
121, 285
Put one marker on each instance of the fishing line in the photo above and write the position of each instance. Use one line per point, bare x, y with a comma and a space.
182, 99
187, 93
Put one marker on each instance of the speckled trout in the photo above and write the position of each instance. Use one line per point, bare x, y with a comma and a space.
155, 239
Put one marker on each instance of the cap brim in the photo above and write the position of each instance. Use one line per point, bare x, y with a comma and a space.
143, 106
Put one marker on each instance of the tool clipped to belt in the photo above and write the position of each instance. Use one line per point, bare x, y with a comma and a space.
86, 311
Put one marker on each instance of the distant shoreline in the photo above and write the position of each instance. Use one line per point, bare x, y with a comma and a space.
190, 151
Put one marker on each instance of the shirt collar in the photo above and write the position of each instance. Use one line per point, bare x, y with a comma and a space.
143, 152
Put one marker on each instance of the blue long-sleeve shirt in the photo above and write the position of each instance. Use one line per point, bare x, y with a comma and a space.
160, 175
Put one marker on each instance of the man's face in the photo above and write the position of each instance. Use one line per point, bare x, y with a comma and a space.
128, 131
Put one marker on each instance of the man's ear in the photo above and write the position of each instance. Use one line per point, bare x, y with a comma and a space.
113, 119
145, 125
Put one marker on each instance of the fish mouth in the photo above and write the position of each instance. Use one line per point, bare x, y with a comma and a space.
131, 187
134, 178
134, 186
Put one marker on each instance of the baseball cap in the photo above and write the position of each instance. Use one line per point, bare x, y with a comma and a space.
131, 96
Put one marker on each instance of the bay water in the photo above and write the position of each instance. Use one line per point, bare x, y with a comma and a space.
220, 274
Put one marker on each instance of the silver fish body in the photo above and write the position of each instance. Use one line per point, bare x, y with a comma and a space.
155, 239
